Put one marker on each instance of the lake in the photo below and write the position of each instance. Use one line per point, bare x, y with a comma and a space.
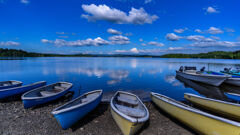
137, 75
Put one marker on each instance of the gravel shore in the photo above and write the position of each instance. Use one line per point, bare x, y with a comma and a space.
15, 120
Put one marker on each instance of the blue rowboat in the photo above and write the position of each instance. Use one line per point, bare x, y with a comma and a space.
19, 90
233, 96
45, 94
9, 84
74, 110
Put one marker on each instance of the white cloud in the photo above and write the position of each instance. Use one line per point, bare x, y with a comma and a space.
198, 31
214, 37
212, 10
134, 50
9, 43
25, 1
172, 37
198, 38
103, 12
113, 31
141, 40
180, 30
61, 33
78, 43
147, 1
155, 43
119, 40
214, 30
216, 44
175, 48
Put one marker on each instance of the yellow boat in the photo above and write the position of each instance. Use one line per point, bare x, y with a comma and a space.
200, 121
228, 109
129, 112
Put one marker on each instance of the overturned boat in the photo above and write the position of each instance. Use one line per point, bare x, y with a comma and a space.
9, 84
21, 89
45, 94
129, 112
208, 77
200, 121
74, 110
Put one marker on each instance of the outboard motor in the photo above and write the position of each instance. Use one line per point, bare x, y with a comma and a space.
202, 69
181, 69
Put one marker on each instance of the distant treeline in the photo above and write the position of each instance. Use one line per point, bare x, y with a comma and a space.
214, 55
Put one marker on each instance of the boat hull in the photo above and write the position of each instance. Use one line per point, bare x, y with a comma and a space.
11, 86
200, 123
233, 81
30, 102
227, 109
68, 118
127, 127
211, 80
19, 90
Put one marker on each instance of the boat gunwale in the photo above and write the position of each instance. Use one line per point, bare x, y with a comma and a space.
232, 94
42, 97
35, 83
57, 111
215, 100
129, 118
191, 109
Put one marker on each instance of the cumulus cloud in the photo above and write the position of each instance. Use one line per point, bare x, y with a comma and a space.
198, 38
147, 1
214, 30
113, 31
211, 10
25, 1
216, 44
119, 39
198, 31
155, 43
134, 50
141, 40
78, 43
180, 30
103, 12
172, 37
175, 48
9, 43
61, 33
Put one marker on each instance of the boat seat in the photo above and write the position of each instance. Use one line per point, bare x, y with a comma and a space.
47, 93
128, 101
64, 85
137, 113
90, 97
59, 88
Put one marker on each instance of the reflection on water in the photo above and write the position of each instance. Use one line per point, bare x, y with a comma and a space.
137, 75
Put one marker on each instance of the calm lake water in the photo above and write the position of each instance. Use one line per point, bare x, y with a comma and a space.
137, 75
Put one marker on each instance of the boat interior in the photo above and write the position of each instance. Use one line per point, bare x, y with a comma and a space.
48, 90
82, 99
129, 105
7, 83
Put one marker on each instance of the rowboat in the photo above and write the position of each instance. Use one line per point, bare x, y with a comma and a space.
208, 77
129, 112
74, 110
233, 80
200, 121
19, 90
227, 109
10, 84
45, 94
203, 89
233, 96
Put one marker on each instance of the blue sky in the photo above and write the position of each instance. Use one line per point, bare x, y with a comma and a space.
120, 26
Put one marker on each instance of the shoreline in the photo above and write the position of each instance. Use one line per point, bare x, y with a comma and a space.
39, 121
